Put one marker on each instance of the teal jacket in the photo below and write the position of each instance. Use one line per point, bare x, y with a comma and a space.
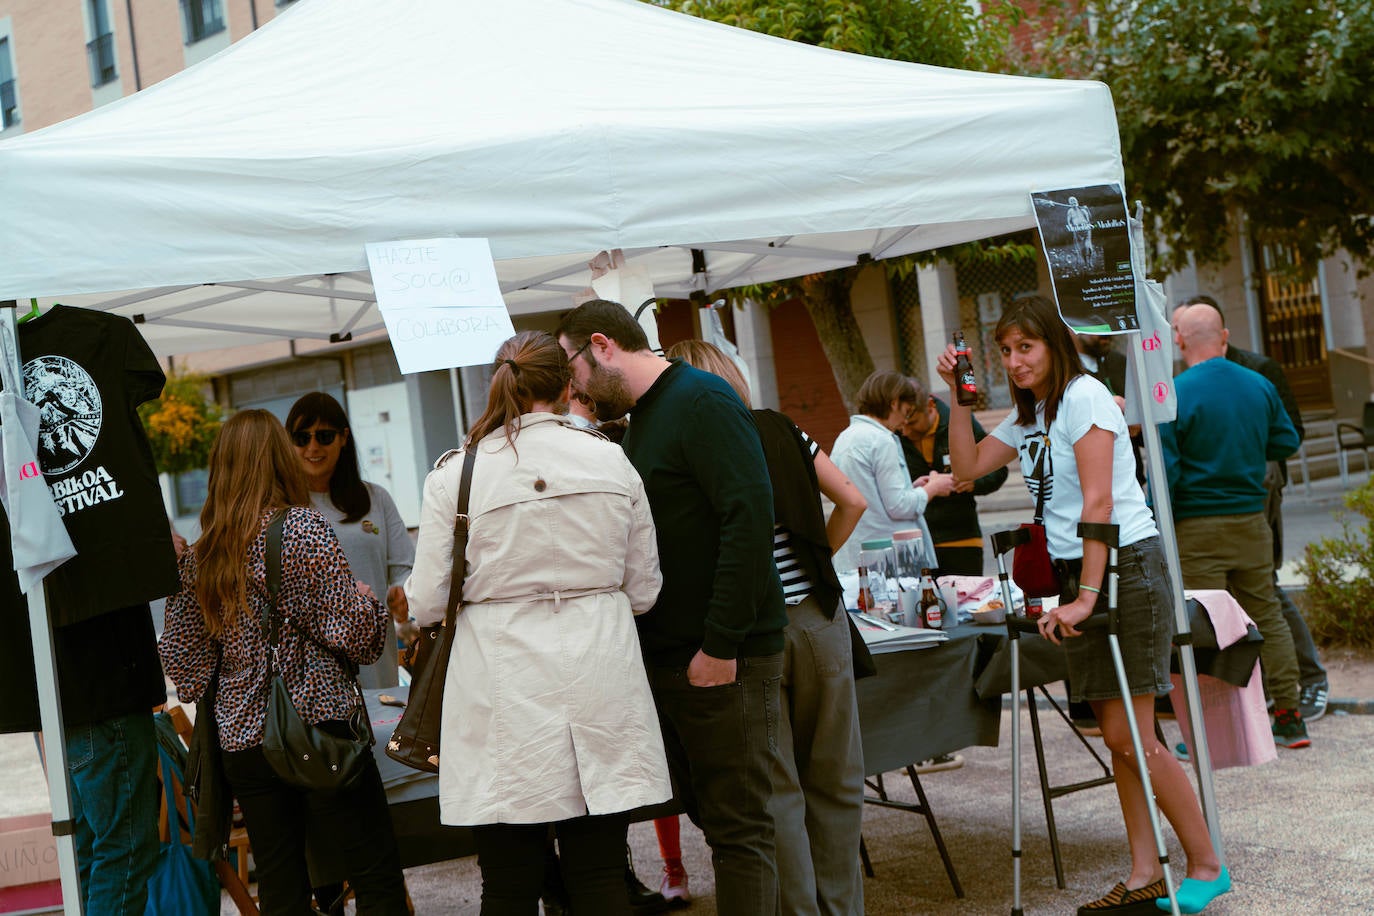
1230, 422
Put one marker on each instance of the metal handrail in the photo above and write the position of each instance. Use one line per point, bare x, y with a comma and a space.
1357, 357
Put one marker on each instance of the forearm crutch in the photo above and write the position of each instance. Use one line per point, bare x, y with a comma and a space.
1107, 534
1002, 543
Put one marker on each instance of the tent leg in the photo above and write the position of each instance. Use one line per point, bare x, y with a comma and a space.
54, 750
1164, 518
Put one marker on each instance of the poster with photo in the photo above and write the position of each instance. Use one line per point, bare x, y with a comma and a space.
1088, 248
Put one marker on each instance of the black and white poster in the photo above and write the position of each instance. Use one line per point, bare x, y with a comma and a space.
1088, 247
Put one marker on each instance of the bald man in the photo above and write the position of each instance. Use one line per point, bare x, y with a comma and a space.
1230, 423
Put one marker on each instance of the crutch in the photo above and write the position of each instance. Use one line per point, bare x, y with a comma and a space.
1107, 534
1002, 543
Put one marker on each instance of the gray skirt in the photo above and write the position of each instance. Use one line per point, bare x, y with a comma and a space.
1147, 630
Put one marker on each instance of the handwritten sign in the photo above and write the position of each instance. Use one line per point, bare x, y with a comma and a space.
440, 300
1084, 234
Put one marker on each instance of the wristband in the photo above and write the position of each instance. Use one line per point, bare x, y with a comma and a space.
1089, 588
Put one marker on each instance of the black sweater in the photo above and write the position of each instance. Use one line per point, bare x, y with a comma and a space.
953, 517
695, 445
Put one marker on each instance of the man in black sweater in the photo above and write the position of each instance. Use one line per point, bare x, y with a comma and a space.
1312, 681
713, 642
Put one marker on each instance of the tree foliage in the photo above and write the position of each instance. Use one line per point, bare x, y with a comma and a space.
1228, 106
944, 33
181, 424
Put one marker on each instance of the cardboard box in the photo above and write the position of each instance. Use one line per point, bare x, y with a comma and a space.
28, 850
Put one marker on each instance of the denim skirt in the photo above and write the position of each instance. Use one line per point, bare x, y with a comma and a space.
1147, 630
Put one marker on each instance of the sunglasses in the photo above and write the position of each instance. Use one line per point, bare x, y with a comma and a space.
322, 436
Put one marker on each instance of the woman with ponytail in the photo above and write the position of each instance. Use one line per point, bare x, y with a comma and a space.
548, 719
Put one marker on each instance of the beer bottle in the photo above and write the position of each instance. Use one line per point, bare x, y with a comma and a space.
966, 386
930, 602
865, 592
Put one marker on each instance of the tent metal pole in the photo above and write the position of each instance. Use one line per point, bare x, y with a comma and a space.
54, 751
1164, 518
49, 709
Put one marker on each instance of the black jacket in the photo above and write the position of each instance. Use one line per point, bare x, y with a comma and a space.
953, 517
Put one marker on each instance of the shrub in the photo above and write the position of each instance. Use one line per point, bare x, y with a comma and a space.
181, 424
1339, 600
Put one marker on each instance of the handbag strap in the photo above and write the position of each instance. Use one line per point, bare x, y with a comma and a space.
1038, 475
461, 523
274, 618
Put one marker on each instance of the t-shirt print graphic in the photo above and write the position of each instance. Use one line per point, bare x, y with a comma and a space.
1037, 466
69, 408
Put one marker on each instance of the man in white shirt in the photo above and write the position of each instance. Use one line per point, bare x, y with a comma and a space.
869, 454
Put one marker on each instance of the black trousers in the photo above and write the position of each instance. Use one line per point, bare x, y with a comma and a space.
591, 857
356, 820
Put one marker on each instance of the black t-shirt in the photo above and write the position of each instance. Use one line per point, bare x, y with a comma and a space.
87, 372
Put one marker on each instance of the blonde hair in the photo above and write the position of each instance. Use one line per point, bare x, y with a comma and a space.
710, 358
252, 468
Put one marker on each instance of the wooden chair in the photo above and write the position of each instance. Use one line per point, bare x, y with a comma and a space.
235, 882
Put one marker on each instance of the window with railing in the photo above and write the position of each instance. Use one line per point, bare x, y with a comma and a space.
100, 50
102, 56
9, 93
201, 18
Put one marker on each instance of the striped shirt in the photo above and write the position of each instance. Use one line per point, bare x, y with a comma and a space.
795, 584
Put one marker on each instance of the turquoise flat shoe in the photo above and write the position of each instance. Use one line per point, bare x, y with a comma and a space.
1193, 895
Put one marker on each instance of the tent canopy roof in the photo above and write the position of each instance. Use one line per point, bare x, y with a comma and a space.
554, 128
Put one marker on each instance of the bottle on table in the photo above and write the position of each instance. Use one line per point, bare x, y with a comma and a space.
878, 558
966, 386
931, 617
865, 601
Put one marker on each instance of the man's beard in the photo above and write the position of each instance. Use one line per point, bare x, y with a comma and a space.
606, 387
1096, 347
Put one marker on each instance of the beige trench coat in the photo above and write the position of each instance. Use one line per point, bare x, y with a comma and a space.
547, 710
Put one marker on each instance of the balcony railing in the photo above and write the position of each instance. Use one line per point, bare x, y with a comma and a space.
9, 105
102, 56
202, 19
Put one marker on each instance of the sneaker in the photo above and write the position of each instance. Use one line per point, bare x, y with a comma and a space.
674, 887
642, 900
942, 762
1312, 701
1289, 730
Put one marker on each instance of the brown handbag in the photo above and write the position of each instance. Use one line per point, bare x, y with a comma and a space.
415, 742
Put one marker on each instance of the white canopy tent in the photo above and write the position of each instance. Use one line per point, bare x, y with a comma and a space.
554, 128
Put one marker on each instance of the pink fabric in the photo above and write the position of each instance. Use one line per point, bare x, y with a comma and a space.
971, 588
1238, 732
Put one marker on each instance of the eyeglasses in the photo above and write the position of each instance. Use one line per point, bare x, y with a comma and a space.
322, 436
578, 352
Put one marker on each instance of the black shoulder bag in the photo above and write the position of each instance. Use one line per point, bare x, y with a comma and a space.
302, 754
206, 784
415, 742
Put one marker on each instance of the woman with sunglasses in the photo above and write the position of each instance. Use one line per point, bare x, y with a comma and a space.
364, 517
1089, 477
547, 715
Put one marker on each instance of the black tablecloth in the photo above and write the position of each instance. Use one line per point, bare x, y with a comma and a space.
922, 703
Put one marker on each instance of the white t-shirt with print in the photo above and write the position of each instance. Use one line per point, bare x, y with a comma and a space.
1086, 403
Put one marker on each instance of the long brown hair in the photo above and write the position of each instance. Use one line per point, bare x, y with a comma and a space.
1037, 319
710, 358
530, 367
252, 468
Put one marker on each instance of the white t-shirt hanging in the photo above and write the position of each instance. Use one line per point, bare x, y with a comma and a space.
1086, 403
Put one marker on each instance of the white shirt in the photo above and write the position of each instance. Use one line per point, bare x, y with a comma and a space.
869, 454
1086, 403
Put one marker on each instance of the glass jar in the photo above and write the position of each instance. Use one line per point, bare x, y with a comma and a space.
878, 557
910, 552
